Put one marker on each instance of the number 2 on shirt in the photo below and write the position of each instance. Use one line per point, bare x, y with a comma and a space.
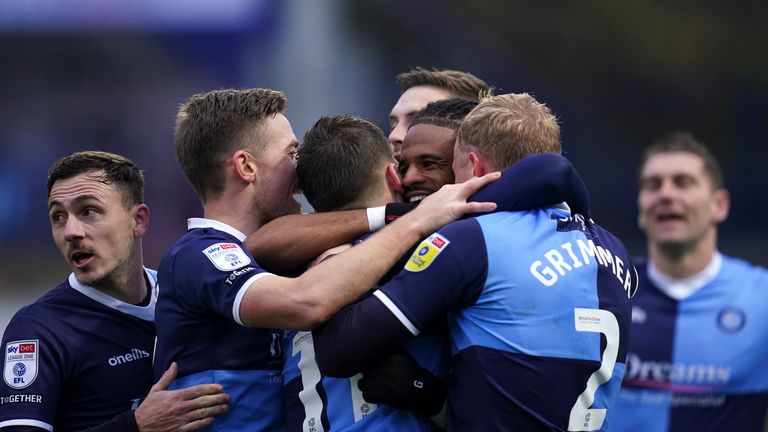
584, 418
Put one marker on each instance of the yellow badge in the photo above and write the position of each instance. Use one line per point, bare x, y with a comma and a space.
426, 252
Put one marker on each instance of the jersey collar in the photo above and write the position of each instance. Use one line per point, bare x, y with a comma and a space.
194, 223
680, 289
146, 313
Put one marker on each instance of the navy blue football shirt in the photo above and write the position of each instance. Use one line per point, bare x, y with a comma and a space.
202, 280
76, 358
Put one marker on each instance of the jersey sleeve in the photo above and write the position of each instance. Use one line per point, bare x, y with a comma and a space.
214, 275
445, 272
35, 367
537, 181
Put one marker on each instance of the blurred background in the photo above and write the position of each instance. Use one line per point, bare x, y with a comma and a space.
95, 74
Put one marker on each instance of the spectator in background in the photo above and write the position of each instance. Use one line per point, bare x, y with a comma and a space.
421, 86
699, 323
81, 356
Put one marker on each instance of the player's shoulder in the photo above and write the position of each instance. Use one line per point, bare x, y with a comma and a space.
734, 267
209, 249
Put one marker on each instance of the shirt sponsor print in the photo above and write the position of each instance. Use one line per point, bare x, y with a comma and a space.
21, 363
227, 256
426, 252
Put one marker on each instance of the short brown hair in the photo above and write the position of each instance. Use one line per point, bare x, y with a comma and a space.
684, 141
506, 128
210, 126
118, 170
460, 84
339, 161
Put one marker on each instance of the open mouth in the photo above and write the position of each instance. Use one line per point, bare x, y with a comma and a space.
669, 217
416, 198
80, 259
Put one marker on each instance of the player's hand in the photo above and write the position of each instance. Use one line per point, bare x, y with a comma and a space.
399, 381
450, 203
186, 409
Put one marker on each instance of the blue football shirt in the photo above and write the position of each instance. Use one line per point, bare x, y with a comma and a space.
538, 308
697, 364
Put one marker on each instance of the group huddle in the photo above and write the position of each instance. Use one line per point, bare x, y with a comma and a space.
452, 277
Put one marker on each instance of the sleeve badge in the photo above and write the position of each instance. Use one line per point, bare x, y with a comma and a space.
426, 252
21, 363
227, 256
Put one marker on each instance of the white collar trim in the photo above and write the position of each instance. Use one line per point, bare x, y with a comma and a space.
193, 223
680, 289
146, 313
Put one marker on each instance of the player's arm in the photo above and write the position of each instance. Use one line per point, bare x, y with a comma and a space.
537, 181
289, 242
310, 299
440, 276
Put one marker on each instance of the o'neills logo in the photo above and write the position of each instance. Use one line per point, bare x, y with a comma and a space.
675, 377
135, 354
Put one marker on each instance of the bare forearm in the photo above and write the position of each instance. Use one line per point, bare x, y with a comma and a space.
289, 242
353, 272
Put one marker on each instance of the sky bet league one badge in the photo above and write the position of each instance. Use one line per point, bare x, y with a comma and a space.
21, 363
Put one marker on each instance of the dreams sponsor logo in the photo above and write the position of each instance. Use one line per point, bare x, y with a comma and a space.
675, 377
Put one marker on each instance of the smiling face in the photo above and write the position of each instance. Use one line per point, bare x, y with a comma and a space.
679, 207
425, 162
95, 232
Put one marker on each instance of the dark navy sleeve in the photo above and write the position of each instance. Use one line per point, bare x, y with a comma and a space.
536, 181
213, 275
445, 272
33, 374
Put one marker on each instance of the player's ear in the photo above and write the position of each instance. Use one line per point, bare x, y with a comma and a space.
721, 203
140, 214
394, 184
244, 165
480, 164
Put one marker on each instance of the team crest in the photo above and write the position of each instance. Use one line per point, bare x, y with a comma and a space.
21, 363
227, 256
426, 252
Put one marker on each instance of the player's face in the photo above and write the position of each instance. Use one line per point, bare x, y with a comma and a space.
411, 101
92, 228
277, 170
425, 161
678, 205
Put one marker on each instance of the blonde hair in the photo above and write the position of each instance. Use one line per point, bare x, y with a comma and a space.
509, 127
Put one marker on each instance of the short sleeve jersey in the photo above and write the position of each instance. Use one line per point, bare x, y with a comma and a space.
202, 280
698, 364
76, 358
315, 402
538, 309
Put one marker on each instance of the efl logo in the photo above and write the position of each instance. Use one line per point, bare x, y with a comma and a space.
26, 348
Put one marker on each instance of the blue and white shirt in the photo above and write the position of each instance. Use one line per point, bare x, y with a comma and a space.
76, 358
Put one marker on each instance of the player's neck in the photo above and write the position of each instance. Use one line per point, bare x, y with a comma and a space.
681, 262
127, 283
241, 217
